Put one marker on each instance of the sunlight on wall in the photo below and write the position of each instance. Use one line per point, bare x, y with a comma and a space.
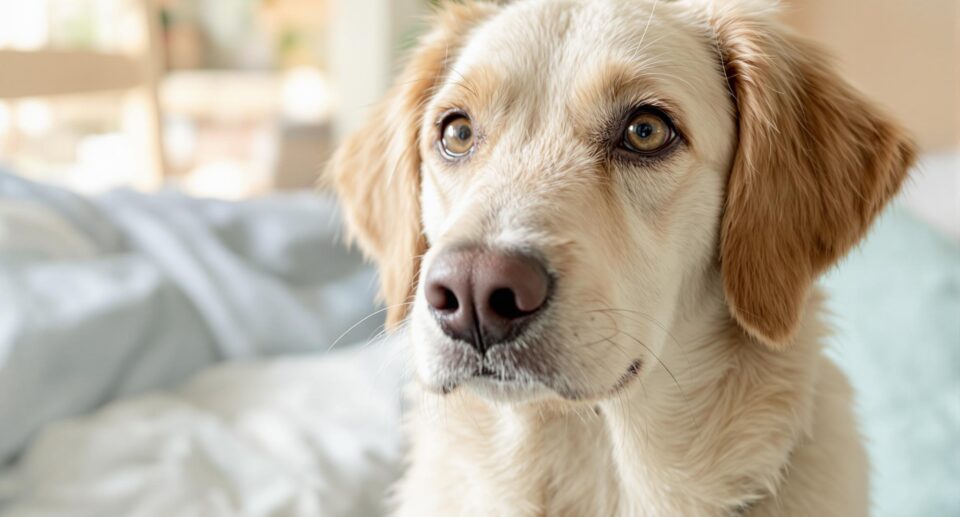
104, 161
23, 24
305, 95
5, 120
34, 117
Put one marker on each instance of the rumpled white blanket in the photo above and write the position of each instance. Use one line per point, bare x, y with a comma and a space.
302, 437
125, 293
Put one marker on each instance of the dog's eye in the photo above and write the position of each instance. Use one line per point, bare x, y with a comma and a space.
456, 136
648, 132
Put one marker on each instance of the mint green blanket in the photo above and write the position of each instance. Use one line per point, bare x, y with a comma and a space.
897, 313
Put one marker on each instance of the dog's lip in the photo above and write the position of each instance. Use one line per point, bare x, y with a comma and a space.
487, 373
632, 372
484, 374
490, 377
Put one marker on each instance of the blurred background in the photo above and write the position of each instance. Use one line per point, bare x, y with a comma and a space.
223, 98
171, 282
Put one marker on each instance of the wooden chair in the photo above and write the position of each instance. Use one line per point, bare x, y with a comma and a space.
47, 73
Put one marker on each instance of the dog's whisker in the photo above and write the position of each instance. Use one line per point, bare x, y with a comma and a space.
653, 11
654, 321
361, 321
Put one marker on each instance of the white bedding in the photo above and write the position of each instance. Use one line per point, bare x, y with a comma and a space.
125, 293
301, 437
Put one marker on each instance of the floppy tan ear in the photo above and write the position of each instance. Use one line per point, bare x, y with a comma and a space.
376, 171
815, 164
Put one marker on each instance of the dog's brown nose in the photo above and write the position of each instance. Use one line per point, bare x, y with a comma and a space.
485, 297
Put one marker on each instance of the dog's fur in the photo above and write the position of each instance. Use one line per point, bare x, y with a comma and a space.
698, 267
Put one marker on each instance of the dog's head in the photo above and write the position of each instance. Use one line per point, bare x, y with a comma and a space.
551, 184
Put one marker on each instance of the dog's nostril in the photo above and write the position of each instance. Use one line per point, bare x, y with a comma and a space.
449, 302
503, 302
442, 298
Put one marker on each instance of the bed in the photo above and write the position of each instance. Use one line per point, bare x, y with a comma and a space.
161, 355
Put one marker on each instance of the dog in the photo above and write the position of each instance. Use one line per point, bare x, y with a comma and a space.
598, 225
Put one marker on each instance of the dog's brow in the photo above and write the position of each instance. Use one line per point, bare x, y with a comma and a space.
612, 80
615, 83
475, 86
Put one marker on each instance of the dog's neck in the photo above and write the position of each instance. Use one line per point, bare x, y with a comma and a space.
706, 432
713, 433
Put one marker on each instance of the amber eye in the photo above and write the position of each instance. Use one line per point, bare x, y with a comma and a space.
456, 136
649, 132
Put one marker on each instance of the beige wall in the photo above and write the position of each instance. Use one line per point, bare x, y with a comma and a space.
904, 53
364, 48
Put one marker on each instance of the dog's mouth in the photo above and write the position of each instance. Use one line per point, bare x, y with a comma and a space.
487, 373
633, 371
514, 383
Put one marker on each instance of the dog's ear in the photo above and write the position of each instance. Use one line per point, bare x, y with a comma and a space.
376, 171
814, 165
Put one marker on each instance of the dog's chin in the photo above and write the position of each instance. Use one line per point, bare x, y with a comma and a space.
508, 391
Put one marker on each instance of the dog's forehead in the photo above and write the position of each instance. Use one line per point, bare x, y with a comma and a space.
566, 40
570, 65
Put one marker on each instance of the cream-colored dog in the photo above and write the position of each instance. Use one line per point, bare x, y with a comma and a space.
600, 222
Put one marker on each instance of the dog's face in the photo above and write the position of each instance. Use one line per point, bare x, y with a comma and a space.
598, 146
560, 180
